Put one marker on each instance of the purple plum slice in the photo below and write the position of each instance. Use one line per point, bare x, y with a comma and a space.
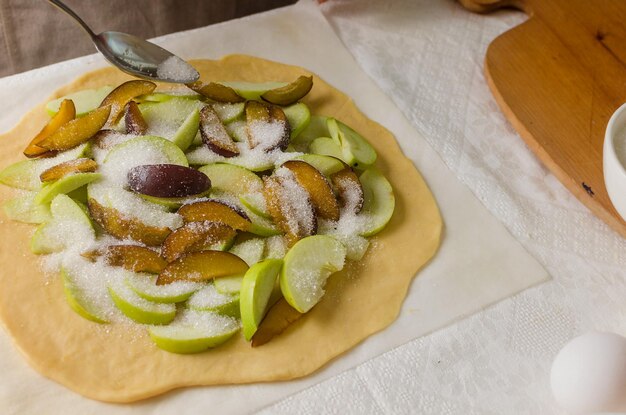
267, 126
167, 180
135, 123
214, 134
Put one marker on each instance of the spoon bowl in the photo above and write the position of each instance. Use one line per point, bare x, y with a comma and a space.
136, 56
143, 59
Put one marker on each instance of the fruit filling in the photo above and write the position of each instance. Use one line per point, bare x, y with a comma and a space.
191, 214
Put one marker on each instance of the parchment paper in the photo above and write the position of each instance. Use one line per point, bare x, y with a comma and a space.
479, 262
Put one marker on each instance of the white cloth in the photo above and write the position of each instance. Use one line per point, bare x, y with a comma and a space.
428, 57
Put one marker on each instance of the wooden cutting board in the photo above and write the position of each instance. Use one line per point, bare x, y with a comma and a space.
558, 77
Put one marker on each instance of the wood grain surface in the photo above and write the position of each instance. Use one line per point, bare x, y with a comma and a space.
558, 77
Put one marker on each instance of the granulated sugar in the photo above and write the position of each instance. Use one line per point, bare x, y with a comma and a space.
120, 288
209, 298
252, 159
237, 130
267, 136
103, 143
42, 164
190, 324
90, 282
296, 203
250, 251
275, 247
130, 206
350, 193
176, 69
228, 112
131, 154
146, 284
213, 130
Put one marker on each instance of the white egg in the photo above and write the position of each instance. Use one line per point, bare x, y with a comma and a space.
589, 374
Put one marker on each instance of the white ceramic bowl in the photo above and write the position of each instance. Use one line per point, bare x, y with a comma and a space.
614, 160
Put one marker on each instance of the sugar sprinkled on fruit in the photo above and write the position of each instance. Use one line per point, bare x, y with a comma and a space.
192, 246
296, 205
209, 298
269, 135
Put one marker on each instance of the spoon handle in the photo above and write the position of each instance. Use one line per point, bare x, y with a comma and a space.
71, 13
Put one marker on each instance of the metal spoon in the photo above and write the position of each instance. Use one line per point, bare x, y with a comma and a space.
136, 56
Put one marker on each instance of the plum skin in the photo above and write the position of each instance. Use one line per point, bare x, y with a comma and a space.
167, 180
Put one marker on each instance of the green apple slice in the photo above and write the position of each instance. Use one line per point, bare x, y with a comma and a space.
253, 90
79, 195
145, 286
173, 203
44, 241
70, 225
137, 308
22, 175
379, 201
239, 181
326, 146
237, 130
163, 96
64, 209
84, 101
194, 332
326, 164
251, 251
78, 299
123, 157
275, 247
353, 145
227, 112
132, 207
25, 174
210, 299
316, 128
173, 119
183, 137
24, 209
261, 226
145, 150
230, 178
299, 118
197, 141
228, 285
140, 151
65, 185
308, 264
356, 246
202, 156
256, 203
256, 290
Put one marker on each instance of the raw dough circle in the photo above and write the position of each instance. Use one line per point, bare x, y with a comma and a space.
111, 363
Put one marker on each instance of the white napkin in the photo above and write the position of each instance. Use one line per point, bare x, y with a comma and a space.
479, 262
